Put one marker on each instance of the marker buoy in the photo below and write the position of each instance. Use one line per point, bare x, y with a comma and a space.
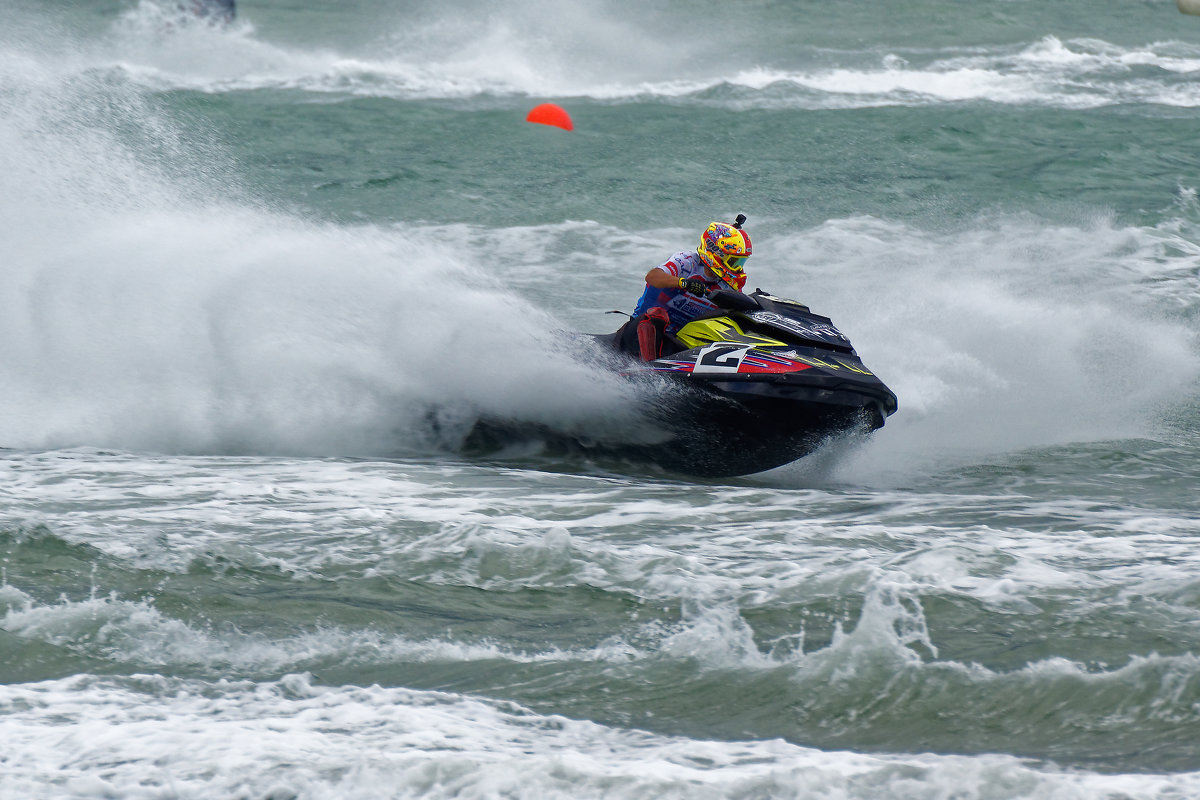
1189, 6
550, 114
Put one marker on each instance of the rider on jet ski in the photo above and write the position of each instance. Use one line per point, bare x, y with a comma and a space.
676, 292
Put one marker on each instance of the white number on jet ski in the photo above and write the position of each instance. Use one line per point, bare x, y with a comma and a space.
720, 358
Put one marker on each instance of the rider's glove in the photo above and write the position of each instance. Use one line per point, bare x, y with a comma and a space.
694, 286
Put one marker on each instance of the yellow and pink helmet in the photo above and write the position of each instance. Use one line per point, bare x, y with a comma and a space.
724, 249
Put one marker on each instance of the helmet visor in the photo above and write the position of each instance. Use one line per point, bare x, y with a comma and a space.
736, 263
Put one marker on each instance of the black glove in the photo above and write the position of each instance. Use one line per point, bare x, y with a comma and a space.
694, 285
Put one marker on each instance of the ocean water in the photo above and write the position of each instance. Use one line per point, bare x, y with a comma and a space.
257, 281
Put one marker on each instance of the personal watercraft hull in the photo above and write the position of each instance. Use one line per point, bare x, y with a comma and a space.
731, 426
759, 384
753, 434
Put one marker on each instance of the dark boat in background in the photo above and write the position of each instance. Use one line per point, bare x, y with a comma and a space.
217, 11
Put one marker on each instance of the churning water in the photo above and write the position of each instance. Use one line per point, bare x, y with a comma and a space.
258, 280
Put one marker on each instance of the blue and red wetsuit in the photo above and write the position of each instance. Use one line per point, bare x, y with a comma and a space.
681, 307
661, 311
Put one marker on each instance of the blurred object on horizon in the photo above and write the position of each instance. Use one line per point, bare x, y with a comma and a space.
214, 10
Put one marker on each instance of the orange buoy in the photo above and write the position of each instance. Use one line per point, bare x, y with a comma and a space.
551, 114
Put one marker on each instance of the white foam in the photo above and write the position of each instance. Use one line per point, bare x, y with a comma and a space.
586, 51
507, 58
1006, 335
141, 737
137, 632
703, 561
713, 545
142, 313
262, 334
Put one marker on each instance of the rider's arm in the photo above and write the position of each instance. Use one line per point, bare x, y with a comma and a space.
659, 278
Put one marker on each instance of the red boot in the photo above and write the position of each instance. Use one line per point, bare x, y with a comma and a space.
650, 329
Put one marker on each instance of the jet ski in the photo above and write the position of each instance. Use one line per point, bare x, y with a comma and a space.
758, 383
764, 380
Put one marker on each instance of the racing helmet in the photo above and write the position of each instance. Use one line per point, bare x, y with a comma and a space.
724, 249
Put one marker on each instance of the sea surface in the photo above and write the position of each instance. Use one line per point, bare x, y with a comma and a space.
258, 280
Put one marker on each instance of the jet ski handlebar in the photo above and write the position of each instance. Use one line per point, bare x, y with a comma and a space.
733, 300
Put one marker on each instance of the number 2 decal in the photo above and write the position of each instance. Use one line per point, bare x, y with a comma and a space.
720, 358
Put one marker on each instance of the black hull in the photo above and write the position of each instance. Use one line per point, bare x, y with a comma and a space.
757, 432
759, 384
707, 433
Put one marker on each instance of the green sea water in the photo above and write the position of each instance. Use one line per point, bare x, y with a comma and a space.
258, 280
